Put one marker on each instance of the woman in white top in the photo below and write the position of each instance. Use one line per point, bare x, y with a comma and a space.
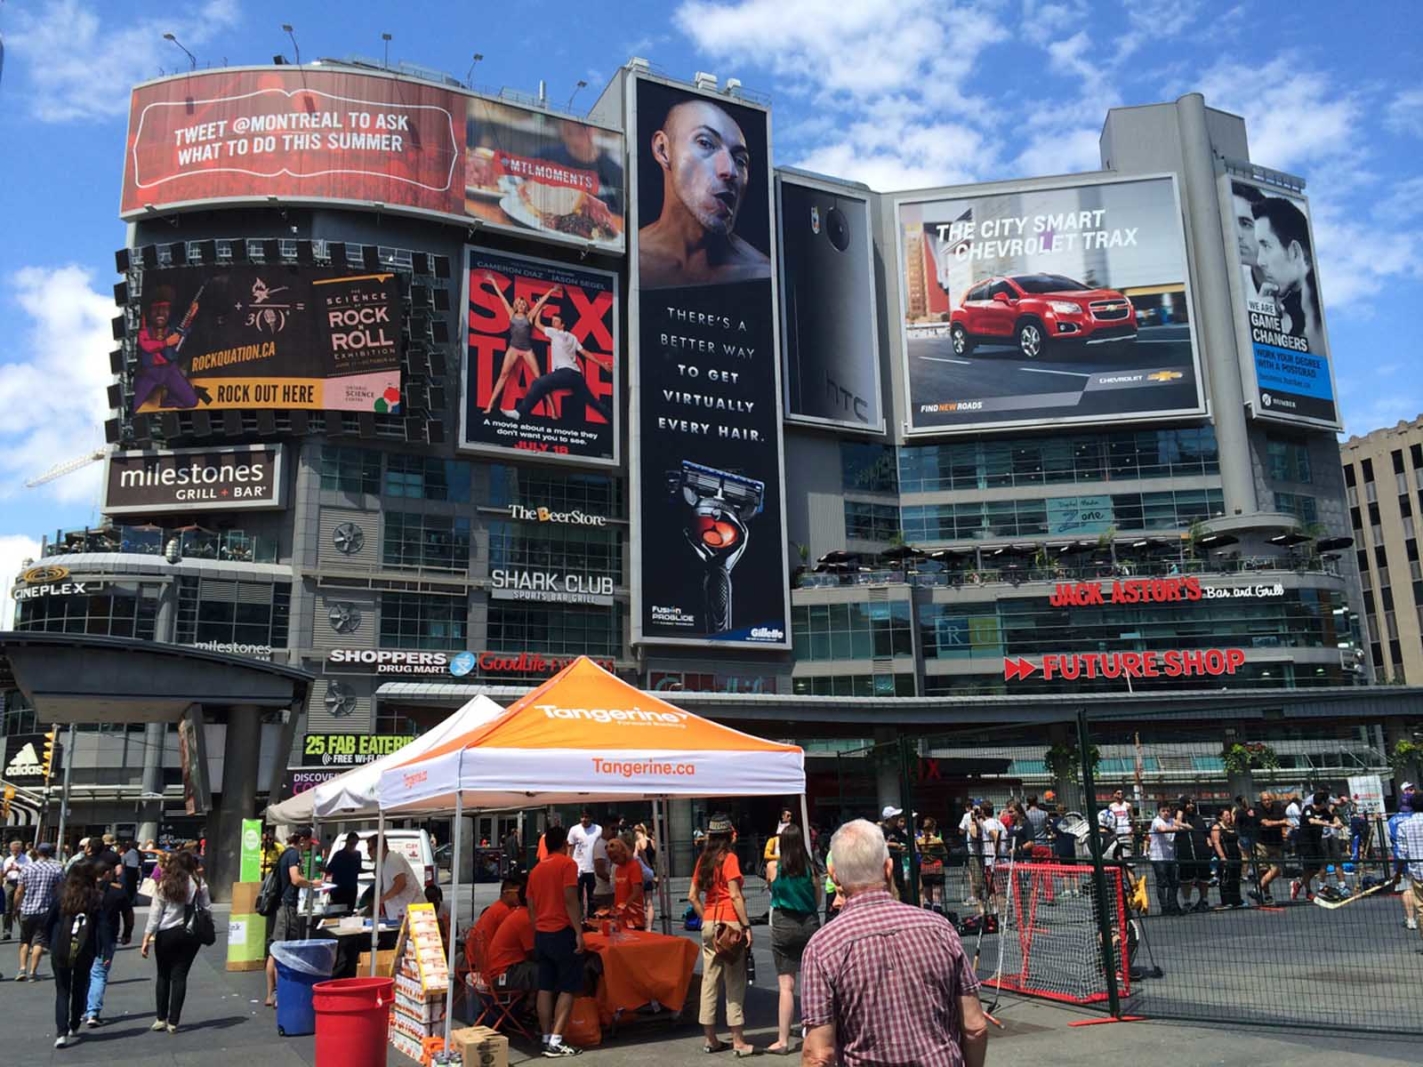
176, 949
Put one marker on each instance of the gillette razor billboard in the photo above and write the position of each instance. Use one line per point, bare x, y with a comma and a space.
709, 555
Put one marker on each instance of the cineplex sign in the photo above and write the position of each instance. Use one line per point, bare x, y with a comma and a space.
1153, 591
1173, 663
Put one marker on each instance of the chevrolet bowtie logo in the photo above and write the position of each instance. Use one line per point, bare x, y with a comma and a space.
1164, 376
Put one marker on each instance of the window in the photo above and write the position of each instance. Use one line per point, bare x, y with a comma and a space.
595, 494
1408, 526
423, 620
211, 611
551, 546
871, 522
563, 629
350, 470
1400, 484
426, 478
856, 685
1288, 460
119, 609
1303, 507
868, 468
433, 542
1397, 456
875, 630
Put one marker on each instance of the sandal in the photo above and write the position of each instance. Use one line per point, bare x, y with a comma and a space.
784, 1050
720, 1046
742, 1053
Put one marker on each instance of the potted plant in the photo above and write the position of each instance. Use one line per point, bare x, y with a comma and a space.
1063, 761
1242, 757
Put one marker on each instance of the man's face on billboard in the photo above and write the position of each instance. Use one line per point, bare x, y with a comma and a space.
1244, 231
158, 315
1283, 266
705, 154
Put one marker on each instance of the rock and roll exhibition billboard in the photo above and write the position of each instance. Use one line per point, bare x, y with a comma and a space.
709, 556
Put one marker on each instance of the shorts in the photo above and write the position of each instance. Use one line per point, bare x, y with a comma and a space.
975, 875
286, 925
560, 969
523, 975
1195, 871
1334, 849
790, 932
33, 932
1273, 854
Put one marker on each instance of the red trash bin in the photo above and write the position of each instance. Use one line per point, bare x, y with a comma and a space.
352, 1021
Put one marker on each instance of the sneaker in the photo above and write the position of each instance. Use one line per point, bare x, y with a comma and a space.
22, 977
1254, 895
159, 1024
553, 1052
92, 1022
1203, 906
172, 1028
1411, 924
1295, 887
61, 1041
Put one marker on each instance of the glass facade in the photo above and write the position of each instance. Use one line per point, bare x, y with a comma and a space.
1051, 516
424, 621
875, 630
430, 542
558, 629
855, 685
350, 470
595, 494
592, 550
245, 613
117, 609
426, 478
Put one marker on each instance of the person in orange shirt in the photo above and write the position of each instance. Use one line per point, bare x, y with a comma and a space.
511, 897
553, 820
715, 894
509, 960
628, 904
557, 918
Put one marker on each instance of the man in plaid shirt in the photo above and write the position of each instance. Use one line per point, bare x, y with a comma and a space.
1409, 847
886, 984
38, 889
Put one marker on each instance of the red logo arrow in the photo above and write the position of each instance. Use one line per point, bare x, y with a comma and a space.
1015, 669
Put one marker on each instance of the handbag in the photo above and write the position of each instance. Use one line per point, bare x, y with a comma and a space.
728, 941
197, 922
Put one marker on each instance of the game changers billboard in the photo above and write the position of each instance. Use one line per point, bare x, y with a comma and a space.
274, 336
1058, 304
828, 333
1281, 316
541, 359
709, 554
306, 135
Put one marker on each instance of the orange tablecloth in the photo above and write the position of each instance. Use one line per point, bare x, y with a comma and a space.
640, 967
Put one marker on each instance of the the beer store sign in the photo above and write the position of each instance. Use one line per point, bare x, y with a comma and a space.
563, 518
550, 587
1154, 591
349, 750
389, 661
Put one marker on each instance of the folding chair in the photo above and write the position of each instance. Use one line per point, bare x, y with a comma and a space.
500, 1006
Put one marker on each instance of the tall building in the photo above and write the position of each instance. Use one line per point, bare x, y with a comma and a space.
968, 448
1383, 527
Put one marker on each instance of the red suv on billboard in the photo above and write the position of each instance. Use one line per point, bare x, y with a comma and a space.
1033, 311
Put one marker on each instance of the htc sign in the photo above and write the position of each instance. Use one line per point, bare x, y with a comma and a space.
194, 479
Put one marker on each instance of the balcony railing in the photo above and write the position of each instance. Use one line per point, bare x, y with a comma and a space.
1106, 571
235, 546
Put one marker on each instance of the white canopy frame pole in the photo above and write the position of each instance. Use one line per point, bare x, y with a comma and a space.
805, 821
454, 911
664, 886
375, 891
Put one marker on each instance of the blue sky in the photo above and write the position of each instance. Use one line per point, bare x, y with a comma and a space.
896, 93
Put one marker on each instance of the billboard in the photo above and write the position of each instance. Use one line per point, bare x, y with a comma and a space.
370, 139
1066, 304
273, 336
193, 479
709, 558
829, 338
1280, 313
542, 359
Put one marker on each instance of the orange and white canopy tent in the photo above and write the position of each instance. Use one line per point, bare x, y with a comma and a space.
587, 736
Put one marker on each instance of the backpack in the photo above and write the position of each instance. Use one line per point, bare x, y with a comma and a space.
78, 929
269, 897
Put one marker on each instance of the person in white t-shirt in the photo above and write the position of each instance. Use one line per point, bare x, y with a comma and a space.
399, 888
990, 832
581, 839
564, 373
1122, 826
1161, 850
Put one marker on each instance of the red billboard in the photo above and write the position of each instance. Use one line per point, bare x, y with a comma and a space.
345, 137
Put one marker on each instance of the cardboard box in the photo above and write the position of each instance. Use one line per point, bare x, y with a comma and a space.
385, 964
246, 942
244, 897
479, 1046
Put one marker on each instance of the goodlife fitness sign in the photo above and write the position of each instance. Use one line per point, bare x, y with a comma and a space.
194, 479
1173, 663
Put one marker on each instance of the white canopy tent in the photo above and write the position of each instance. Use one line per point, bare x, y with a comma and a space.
586, 736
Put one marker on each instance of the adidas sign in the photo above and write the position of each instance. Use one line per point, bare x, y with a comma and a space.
25, 764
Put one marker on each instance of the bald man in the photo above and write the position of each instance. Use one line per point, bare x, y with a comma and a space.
705, 171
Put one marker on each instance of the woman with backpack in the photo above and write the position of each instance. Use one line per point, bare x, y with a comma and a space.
794, 918
715, 894
170, 918
72, 924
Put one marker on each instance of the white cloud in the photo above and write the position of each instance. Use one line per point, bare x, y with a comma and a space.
1060, 152
81, 66
1404, 113
15, 549
54, 394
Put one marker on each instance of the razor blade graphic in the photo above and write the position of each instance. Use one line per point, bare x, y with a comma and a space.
721, 505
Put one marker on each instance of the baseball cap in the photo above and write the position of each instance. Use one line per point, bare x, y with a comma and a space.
45, 848
890, 811
1408, 787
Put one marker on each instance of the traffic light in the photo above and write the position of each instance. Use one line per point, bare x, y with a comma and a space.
48, 757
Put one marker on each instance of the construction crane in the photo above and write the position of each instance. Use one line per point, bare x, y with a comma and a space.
69, 466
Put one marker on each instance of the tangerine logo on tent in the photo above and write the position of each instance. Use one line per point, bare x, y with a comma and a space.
656, 718
412, 780
633, 769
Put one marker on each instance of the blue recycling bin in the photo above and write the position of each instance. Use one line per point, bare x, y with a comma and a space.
300, 966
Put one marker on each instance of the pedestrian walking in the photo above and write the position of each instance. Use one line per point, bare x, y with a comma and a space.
716, 896
72, 926
174, 947
113, 900
14, 862
886, 983
1410, 852
35, 894
795, 917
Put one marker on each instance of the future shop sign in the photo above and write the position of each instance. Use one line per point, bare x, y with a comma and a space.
1174, 663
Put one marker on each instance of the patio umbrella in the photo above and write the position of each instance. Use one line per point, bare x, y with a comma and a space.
839, 555
1287, 540
1333, 544
900, 552
1218, 540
